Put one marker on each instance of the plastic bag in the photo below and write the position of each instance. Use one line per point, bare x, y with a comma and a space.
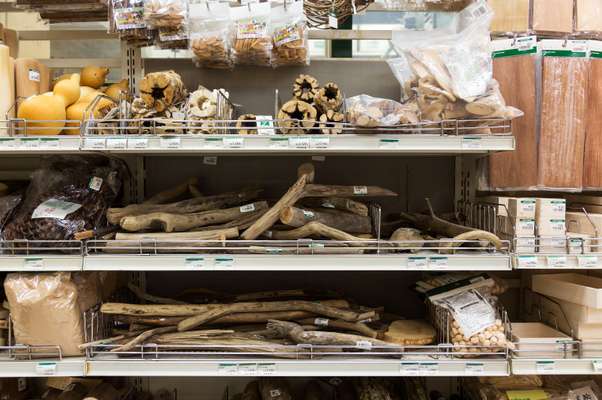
165, 13
173, 38
252, 41
368, 112
7, 205
126, 17
68, 194
210, 35
289, 35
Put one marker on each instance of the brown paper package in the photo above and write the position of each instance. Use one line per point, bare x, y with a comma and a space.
510, 15
592, 168
517, 169
589, 16
563, 114
553, 16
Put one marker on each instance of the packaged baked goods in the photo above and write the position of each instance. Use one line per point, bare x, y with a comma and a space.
165, 13
369, 112
210, 30
252, 41
289, 35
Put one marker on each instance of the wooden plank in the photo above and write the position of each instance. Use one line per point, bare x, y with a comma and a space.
592, 168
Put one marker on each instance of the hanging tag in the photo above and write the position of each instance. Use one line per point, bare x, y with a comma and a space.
34, 75
333, 21
210, 160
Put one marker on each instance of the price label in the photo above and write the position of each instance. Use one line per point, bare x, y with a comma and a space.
470, 143
557, 261
597, 365
247, 208
438, 262
274, 250
417, 262
46, 368
137, 143
234, 142
224, 261
333, 21
34, 75
527, 261
388, 144
194, 262
360, 190
266, 369
214, 142
117, 143
51, 143
248, 369
95, 143
265, 125
320, 142
170, 142
299, 142
8, 143
545, 366
318, 158
30, 143
410, 368
474, 368
34, 262
363, 344
321, 322
227, 369
279, 143
587, 261
429, 368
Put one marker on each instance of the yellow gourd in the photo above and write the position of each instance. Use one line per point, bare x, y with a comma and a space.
84, 91
68, 90
94, 76
89, 97
60, 78
43, 108
115, 90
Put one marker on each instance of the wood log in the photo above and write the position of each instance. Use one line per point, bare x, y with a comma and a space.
313, 190
337, 203
167, 222
103, 391
172, 193
219, 234
344, 221
293, 305
318, 338
305, 88
160, 90
331, 123
296, 117
198, 204
329, 98
316, 229
142, 295
324, 323
185, 310
241, 223
274, 389
251, 391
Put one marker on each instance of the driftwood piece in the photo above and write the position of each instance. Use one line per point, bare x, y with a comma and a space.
103, 391
198, 204
358, 327
111, 340
143, 337
313, 190
337, 203
316, 229
218, 234
293, 305
172, 193
241, 223
296, 333
167, 222
142, 295
274, 389
344, 221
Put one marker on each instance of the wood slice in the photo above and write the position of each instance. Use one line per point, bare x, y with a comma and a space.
329, 97
410, 333
160, 90
305, 88
296, 116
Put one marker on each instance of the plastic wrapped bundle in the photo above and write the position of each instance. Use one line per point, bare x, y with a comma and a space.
592, 168
252, 41
552, 16
289, 36
510, 15
210, 35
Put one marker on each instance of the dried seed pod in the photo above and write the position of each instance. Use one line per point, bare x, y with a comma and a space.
247, 124
329, 97
331, 122
203, 104
160, 90
305, 88
296, 116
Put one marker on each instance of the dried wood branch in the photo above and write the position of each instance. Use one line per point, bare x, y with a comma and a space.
143, 337
359, 327
348, 222
316, 229
172, 193
337, 203
219, 234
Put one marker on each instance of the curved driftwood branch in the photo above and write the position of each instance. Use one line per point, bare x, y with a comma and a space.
171, 193
316, 229
337, 203
345, 221
358, 327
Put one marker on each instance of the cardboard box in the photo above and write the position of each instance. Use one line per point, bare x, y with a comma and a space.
574, 288
502, 203
551, 226
551, 208
578, 222
580, 243
551, 245
522, 207
10, 38
522, 227
524, 245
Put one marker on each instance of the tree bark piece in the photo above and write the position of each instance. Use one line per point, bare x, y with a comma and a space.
316, 229
219, 234
171, 193
331, 123
337, 203
347, 222
358, 327
167, 222
293, 305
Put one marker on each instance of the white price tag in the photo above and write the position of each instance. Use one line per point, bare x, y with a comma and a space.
587, 261
51, 143
597, 365
320, 142
137, 143
227, 369
223, 261
247, 208
194, 262
469, 143
210, 160
279, 143
46, 368
34, 262
527, 261
299, 142
170, 142
30, 143
318, 158
8, 143
117, 143
474, 368
410, 368
95, 183
545, 366
308, 214
247, 369
321, 322
266, 369
265, 125
438, 262
214, 142
333, 21
429, 368
34, 75
388, 144
417, 262
275, 393
363, 344
234, 142
54, 208
360, 190
557, 261
95, 143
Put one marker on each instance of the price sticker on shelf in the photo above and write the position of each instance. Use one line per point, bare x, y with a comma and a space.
266, 369
545, 366
137, 143
279, 143
94, 143
429, 368
474, 368
234, 142
227, 369
417, 262
46, 368
50, 143
247, 369
438, 262
170, 142
214, 142
210, 160
223, 261
319, 142
410, 368
265, 125
30, 143
299, 142
597, 365
527, 261
194, 262
117, 143
587, 261
388, 144
35, 262
557, 261
8, 143
471, 143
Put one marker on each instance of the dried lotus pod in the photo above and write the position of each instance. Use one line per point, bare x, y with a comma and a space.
296, 116
203, 104
331, 122
305, 88
160, 90
247, 124
329, 97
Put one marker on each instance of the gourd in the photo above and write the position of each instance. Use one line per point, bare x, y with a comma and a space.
93, 76
43, 108
84, 91
76, 113
68, 90
115, 90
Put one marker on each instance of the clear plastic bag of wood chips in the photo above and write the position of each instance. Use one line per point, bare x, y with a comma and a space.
289, 35
368, 112
165, 13
46, 308
252, 41
211, 35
